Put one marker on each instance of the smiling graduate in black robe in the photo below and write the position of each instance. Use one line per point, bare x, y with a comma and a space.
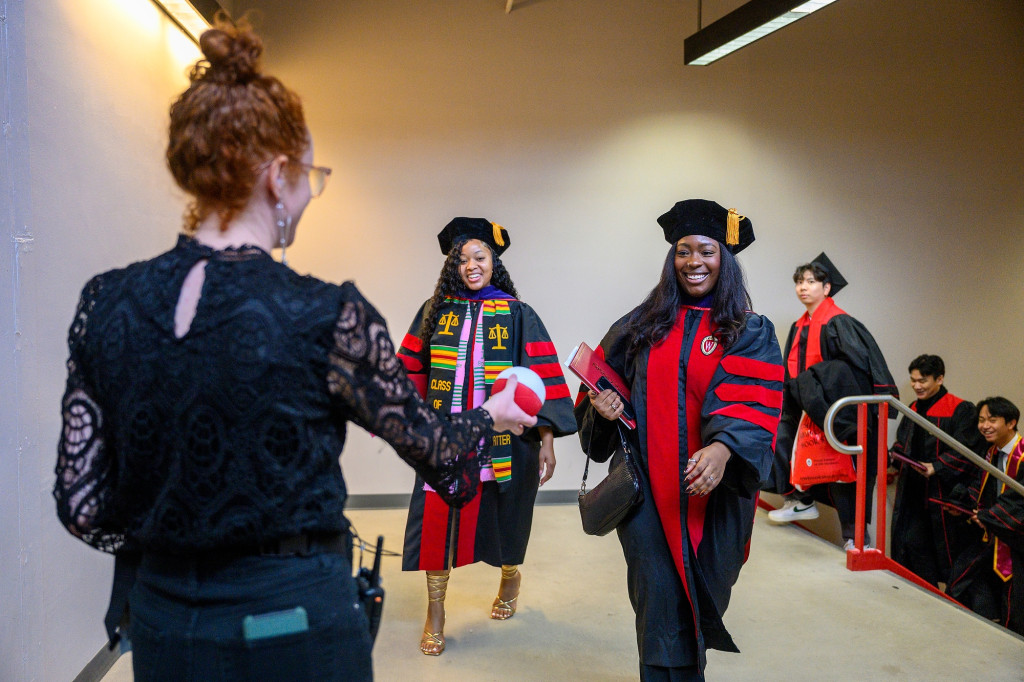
707, 396
925, 536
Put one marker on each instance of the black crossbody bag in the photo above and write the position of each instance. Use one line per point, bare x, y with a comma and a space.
608, 503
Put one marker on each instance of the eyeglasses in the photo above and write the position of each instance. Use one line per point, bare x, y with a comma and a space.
317, 177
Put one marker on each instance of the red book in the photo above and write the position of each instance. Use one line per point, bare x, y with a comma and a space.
912, 462
596, 375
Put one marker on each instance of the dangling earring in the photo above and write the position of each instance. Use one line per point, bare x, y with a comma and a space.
284, 224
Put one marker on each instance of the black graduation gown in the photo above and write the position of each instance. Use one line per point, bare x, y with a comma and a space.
495, 526
925, 537
689, 399
843, 339
973, 581
1005, 520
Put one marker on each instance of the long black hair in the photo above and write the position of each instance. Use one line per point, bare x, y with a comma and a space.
653, 319
450, 283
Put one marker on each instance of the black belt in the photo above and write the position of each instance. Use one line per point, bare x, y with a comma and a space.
305, 544
301, 544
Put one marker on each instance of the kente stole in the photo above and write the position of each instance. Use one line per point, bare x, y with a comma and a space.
466, 355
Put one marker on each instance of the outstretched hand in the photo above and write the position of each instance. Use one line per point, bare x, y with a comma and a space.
506, 414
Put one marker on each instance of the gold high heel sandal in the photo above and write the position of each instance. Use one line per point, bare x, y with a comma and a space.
432, 643
503, 609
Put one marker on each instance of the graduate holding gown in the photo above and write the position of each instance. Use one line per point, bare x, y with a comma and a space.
829, 355
705, 376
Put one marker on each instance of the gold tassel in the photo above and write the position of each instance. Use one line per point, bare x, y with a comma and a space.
732, 228
498, 239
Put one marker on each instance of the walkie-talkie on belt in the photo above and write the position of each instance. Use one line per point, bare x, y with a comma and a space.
371, 594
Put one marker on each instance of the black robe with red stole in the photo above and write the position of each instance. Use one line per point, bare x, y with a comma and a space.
988, 576
829, 335
684, 553
925, 536
495, 526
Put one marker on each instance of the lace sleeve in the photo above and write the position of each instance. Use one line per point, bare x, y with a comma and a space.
85, 469
369, 381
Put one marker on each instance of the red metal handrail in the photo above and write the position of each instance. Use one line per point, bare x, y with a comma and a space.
861, 558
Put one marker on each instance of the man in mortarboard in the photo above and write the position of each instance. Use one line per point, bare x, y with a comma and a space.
828, 355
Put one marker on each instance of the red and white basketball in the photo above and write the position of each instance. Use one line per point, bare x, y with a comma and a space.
530, 391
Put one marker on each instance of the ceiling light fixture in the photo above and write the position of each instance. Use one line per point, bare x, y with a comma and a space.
747, 23
193, 16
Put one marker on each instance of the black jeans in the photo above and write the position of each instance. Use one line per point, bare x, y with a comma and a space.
187, 614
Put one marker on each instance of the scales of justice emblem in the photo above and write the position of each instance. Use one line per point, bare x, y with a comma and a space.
448, 320
499, 334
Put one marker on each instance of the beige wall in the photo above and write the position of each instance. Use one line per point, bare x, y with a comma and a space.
88, 88
888, 134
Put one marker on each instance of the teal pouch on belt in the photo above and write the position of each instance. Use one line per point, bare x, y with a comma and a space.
275, 624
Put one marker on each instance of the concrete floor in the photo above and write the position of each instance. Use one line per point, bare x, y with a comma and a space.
796, 614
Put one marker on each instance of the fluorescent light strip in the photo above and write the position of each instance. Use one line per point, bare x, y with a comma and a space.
761, 31
812, 5
186, 16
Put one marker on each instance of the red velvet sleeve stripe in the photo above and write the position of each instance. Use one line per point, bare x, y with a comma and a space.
538, 348
749, 414
998, 517
953, 462
412, 364
547, 370
420, 382
556, 391
741, 393
755, 369
413, 343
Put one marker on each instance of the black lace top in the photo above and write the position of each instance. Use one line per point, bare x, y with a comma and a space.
230, 435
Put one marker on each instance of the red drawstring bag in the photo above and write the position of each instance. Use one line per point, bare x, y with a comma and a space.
815, 461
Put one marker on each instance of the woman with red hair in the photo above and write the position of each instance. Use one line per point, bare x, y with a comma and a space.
207, 398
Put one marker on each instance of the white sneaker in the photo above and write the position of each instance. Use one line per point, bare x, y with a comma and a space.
848, 545
794, 510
